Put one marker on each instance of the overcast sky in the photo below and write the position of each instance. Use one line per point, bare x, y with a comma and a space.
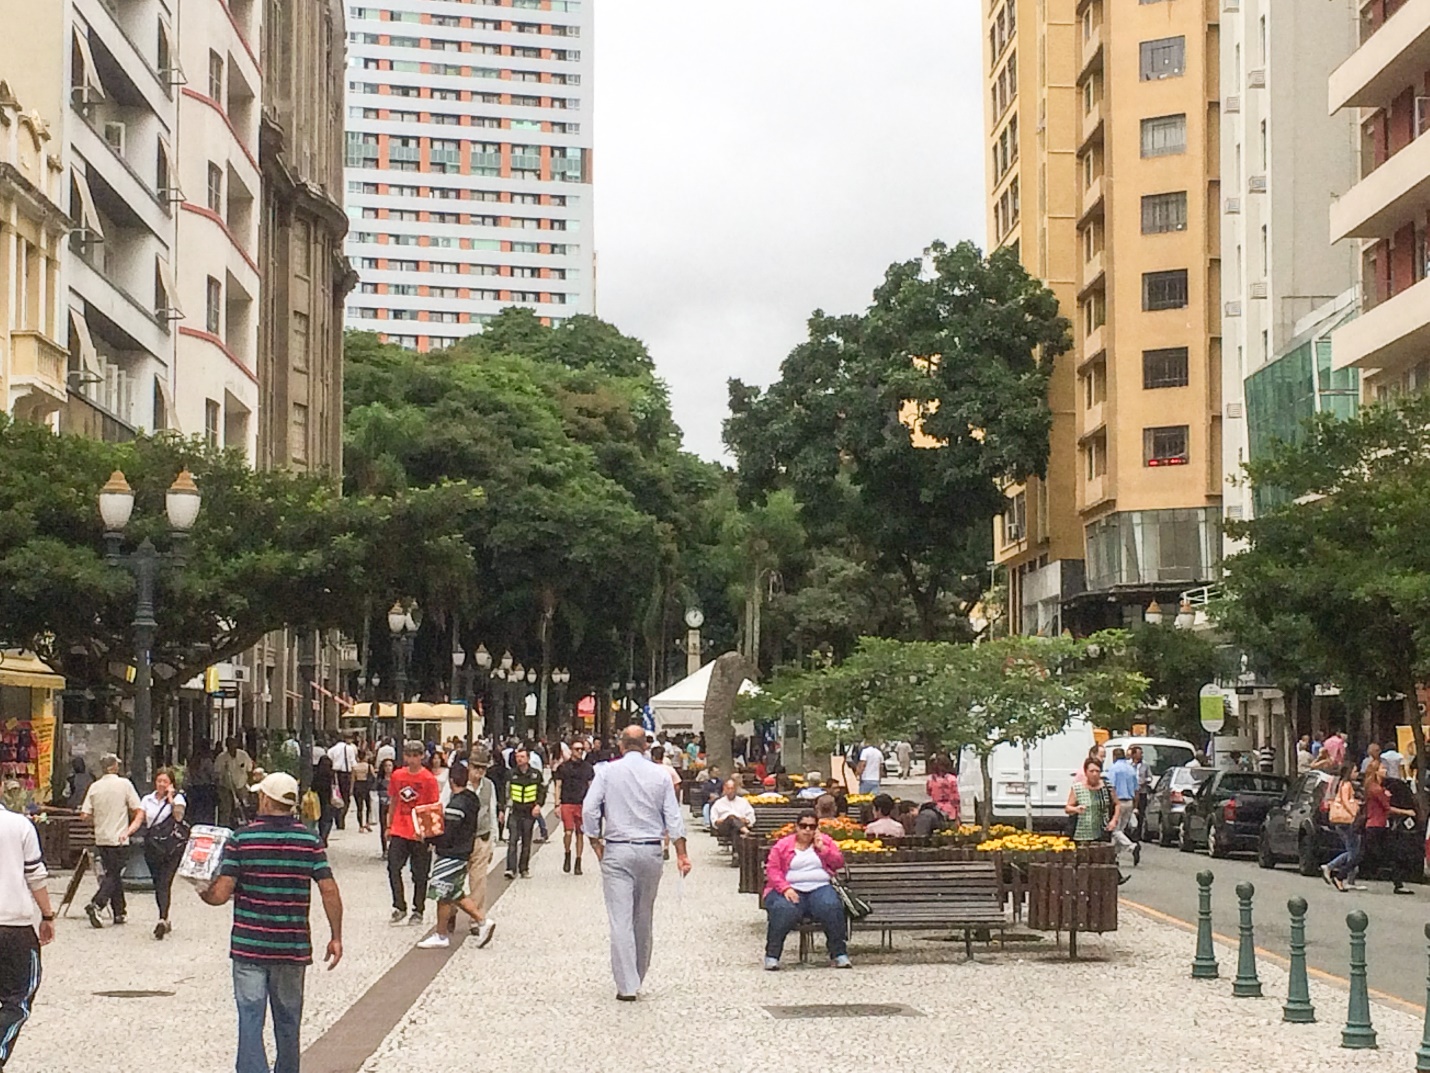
759, 159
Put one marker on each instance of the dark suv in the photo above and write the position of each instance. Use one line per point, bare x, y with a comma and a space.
1299, 828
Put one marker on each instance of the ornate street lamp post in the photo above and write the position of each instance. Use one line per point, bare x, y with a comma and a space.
402, 623
116, 505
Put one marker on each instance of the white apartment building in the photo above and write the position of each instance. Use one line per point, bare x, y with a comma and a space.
469, 148
119, 135
215, 381
1283, 160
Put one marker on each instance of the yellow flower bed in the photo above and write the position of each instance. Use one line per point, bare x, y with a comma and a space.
860, 799
859, 845
1028, 843
767, 799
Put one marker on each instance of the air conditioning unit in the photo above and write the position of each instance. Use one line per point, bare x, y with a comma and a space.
1235, 512
1235, 410
114, 134
1233, 206
1422, 115
1256, 79
242, 673
1256, 184
1258, 290
1231, 104
1231, 309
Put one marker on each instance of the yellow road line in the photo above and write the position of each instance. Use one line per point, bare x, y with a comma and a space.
1320, 974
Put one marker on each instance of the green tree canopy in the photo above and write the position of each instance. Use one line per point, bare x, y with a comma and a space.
955, 344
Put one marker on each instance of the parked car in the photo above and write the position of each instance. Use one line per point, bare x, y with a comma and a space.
1167, 800
1227, 811
1298, 827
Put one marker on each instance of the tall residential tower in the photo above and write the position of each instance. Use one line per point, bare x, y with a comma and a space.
1134, 490
468, 164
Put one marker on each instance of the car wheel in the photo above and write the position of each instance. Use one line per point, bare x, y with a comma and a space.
1166, 834
1184, 838
1264, 856
1306, 862
1215, 847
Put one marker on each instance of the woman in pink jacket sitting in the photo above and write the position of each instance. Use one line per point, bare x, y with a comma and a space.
797, 885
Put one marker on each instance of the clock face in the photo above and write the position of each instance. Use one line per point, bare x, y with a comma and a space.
694, 618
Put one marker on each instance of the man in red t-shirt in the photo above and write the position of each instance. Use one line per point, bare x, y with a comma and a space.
407, 788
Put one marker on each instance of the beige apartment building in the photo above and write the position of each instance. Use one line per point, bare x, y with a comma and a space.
1385, 81
1113, 197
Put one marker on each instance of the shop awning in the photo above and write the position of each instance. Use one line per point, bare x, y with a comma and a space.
88, 214
27, 671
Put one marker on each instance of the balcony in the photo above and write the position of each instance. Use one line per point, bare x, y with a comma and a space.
38, 367
1093, 198
1094, 420
1393, 57
1094, 344
1392, 336
1094, 272
1091, 52
1091, 129
1388, 198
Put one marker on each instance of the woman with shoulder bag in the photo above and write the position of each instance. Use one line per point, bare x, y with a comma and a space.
1346, 817
799, 883
362, 790
165, 835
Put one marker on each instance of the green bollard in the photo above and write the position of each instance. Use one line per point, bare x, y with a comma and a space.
1422, 1056
1298, 1008
1246, 984
1204, 966
1358, 1033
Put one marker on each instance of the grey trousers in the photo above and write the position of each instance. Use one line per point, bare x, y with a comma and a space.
630, 879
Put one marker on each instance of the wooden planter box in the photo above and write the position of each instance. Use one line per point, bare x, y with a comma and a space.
1071, 897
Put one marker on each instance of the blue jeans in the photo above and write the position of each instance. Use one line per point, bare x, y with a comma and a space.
822, 905
868, 786
705, 811
1344, 866
256, 987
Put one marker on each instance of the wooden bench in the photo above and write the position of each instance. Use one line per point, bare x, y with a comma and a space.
770, 818
924, 895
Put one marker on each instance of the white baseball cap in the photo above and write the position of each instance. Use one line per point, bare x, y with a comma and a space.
280, 787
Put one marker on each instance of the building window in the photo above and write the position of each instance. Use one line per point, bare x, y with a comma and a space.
215, 188
213, 306
1164, 212
1164, 135
1165, 446
1015, 518
1164, 290
298, 434
215, 76
1166, 367
213, 421
1163, 58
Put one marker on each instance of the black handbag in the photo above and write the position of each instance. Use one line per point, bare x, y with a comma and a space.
856, 907
168, 836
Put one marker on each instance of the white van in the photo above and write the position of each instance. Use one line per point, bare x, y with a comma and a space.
1053, 764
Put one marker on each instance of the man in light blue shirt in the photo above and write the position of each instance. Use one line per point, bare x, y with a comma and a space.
628, 811
1123, 776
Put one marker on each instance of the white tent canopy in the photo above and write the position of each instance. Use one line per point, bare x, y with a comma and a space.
681, 707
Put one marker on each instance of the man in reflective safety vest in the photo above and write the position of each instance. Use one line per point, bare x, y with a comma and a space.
526, 795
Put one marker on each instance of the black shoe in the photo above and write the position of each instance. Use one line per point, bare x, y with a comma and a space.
92, 911
159, 930
566, 865
120, 918
625, 998
578, 866
1123, 879
1400, 889
508, 874
1136, 854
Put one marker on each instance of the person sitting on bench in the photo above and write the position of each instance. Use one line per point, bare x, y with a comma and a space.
798, 884
731, 813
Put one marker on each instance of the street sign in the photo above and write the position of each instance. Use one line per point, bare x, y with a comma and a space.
1212, 708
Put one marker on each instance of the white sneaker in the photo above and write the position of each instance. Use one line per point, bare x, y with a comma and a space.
483, 932
435, 941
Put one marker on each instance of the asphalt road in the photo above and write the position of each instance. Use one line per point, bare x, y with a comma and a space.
1395, 941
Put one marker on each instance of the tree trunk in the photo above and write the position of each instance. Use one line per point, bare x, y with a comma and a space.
985, 814
924, 597
1417, 732
757, 601
731, 669
548, 612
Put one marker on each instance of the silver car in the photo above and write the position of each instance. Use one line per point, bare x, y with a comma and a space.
1168, 799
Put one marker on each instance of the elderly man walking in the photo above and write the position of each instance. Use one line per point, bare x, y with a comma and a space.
113, 804
628, 811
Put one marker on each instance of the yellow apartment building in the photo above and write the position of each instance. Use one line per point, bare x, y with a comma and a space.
1112, 197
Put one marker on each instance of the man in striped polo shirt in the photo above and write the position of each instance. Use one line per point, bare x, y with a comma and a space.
267, 870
